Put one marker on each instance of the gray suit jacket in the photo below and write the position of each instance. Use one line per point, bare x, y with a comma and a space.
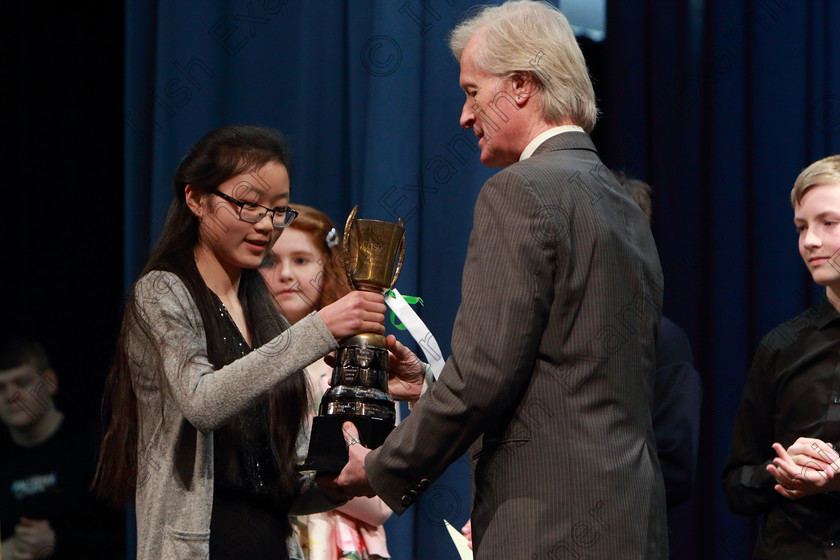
553, 353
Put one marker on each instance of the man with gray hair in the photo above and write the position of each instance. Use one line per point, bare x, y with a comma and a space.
553, 347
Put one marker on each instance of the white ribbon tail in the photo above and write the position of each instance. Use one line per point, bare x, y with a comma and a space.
418, 330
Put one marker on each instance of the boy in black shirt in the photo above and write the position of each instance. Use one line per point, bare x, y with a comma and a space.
782, 461
46, 510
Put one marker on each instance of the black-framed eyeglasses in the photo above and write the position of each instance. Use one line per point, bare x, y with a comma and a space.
252, 212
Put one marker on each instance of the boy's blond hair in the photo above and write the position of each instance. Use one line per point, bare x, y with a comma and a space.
822, 172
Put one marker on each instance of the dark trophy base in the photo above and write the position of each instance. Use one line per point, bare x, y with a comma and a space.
358, 393
327, 450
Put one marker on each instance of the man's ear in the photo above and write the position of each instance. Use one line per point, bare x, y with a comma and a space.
195, 200
524, 86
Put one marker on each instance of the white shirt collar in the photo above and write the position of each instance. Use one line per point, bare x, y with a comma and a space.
540, 138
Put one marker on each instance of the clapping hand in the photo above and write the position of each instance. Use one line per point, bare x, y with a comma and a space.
33, 538
809, 466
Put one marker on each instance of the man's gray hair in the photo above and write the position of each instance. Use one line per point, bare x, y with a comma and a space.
523, 36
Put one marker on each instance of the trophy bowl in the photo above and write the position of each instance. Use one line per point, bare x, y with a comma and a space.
359, 385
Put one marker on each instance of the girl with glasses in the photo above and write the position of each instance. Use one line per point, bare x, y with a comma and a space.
207, 395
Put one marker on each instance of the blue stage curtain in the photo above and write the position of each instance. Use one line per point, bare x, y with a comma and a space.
719, 105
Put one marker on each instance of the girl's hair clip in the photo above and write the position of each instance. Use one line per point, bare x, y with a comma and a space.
332, 239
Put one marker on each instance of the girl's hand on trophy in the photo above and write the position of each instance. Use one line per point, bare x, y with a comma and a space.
406, 373
357, 312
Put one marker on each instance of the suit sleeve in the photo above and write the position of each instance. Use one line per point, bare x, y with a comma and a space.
507, 291
747, 485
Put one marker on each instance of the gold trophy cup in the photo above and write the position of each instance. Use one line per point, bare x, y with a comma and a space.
359, 385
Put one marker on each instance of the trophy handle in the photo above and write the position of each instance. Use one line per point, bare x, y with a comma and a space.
346, 244
402, 256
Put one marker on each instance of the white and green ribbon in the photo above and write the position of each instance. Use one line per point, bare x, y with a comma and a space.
409, 320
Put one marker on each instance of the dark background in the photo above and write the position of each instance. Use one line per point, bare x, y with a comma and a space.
62, 228
718, 104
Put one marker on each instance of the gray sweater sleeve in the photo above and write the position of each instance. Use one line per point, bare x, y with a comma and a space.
210, 398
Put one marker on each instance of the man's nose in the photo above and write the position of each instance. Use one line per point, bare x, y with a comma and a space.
467, 116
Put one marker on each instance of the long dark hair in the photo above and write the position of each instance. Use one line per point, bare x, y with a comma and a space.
217, 157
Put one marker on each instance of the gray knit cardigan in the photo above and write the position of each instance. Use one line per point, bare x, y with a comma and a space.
174, 496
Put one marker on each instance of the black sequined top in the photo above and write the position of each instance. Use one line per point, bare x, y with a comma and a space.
249, 512
242, 453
